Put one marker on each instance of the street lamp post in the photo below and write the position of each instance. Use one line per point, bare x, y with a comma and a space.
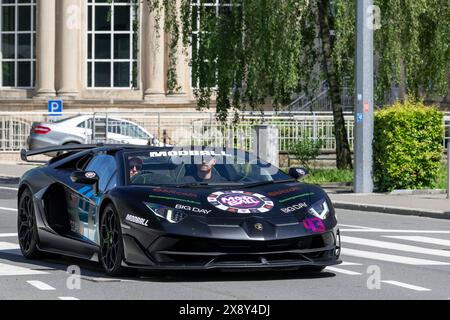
364, 102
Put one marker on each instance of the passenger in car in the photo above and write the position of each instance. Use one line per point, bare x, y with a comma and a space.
135, 166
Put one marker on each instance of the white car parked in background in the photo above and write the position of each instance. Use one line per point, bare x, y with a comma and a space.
80, 130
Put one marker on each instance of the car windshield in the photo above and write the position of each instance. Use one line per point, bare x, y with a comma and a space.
178, 167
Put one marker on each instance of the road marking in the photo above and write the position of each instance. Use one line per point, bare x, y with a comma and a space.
395, 231
8, 246
98, 279
405, 285
395, 246
347, 272
8, 209
40, 285
10, 270
422, 240
357, 227
68, 298
8, 235
346, 263
9, 188
391, 258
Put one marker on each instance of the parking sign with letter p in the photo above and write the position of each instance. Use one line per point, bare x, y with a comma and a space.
55, 107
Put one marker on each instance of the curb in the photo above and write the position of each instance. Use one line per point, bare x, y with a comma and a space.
392, 210
418, 192
9, 177
334, 184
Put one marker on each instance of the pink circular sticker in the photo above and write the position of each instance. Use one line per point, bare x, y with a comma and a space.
240, 202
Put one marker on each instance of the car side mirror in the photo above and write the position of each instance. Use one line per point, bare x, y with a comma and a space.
86, 177
298, 173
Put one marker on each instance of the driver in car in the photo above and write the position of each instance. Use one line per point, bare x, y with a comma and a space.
135, 166
206, 173
205, 169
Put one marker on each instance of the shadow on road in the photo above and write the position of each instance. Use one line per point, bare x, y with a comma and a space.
9, 182
52, 263
225, 276
92, 271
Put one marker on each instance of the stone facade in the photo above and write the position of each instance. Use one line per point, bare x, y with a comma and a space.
61, 66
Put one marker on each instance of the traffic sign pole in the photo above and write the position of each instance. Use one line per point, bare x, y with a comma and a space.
364, 102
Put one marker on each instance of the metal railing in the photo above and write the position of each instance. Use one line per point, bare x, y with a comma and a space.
291, 129
193, 128
321, 102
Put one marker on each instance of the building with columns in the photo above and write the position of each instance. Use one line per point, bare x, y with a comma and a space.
94, 54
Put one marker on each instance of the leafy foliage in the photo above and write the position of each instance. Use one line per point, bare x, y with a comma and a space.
306, 150
321, 176
254, 52
244, 54
407, 146
257, 49
413, 43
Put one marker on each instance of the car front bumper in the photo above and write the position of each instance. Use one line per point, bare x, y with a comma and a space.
175, 253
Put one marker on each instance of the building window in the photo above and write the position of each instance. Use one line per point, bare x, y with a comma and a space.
204, 17
17, 43
112, 44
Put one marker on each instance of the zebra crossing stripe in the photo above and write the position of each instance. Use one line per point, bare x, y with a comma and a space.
391, 258
346, 263
356, 227
395, 231
421, 239
8, 235
343, 271
405, 285
40, 285
11, 270
395, 246
8, 209
8, 246
8, 188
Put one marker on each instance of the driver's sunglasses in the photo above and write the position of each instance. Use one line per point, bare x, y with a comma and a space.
207, 159
134, 165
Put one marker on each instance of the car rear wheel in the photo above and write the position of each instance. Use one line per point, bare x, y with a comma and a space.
26, 227
111, 242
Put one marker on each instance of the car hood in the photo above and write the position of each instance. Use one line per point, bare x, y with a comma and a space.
272, 200
281, 210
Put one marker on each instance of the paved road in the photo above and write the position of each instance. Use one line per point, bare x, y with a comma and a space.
411, 255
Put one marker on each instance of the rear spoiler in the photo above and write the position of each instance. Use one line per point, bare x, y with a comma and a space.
24, 154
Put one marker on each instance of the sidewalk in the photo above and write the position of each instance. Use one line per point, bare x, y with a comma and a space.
423, 205
14, 170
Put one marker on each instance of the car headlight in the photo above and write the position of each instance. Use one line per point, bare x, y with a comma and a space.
169, 214
320, 209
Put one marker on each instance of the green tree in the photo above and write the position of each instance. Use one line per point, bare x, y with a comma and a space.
326, 21
306, 150
262, 51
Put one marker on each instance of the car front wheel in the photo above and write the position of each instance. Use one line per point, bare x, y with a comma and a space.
111, 242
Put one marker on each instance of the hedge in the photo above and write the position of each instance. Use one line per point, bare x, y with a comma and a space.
407, 146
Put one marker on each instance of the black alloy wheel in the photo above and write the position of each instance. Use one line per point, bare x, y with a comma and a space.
111, 242
26, 226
